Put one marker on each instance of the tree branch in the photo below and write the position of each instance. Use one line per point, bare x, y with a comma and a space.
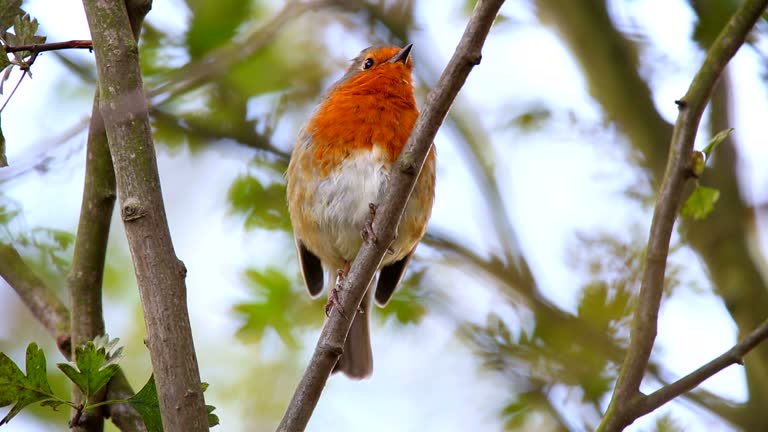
734, 355
405, 173
41, 301
52, 313
644, 325
87, 273
53, 46
159, 273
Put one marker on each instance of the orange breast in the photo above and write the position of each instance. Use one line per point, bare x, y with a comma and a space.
377, 109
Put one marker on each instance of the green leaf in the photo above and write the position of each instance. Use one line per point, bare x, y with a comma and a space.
213, 419
277, 298
25, 27
24, 390
701, 203
9, 10
94, 365
214, 23
264, 207
146, 403
715, 141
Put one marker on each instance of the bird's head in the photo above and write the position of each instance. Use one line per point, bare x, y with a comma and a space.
377, 69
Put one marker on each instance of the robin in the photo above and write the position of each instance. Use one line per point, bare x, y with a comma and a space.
340, 169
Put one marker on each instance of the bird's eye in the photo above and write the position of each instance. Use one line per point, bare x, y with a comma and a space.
368, 63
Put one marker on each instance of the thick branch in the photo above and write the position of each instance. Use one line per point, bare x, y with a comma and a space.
160, 275
86, 275
390, 210
644, 325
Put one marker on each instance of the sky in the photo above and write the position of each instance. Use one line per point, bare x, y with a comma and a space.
693, 327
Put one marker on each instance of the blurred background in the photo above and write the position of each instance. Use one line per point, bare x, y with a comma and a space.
516, 308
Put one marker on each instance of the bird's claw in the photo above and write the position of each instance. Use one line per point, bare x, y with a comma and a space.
369, 235
333, 295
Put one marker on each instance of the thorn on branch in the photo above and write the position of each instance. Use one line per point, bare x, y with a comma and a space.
182, 268
64, 342
76, 419
680, 103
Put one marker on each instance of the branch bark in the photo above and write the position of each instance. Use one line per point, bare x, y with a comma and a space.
621, 410
160, 275
390, 210
734, 355
41, 301
87, 273
52, 46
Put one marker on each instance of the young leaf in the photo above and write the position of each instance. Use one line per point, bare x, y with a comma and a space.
145, 402
213, 419
95, 365
24, 390
701, 203
715, 141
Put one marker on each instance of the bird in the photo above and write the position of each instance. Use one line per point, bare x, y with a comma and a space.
339, 171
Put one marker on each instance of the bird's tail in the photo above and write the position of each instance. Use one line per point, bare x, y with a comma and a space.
356, 361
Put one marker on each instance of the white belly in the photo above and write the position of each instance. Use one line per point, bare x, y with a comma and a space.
341, 202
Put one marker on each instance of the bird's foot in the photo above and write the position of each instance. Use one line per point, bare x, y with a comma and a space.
369, 235
333, 295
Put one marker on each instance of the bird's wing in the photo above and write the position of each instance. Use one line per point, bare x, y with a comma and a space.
311, 269
389, 278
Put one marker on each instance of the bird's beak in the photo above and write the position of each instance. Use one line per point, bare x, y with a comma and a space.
402, 56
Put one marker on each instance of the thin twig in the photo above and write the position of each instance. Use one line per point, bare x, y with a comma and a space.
406, 171
16, 87
691, 106
53, 46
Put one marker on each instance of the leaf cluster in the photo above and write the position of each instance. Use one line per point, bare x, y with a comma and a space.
96, 362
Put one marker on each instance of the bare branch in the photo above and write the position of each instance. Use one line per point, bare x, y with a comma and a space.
87, 273
644, 325
405, 173
53, 46
41, 301
734, 355
160, 275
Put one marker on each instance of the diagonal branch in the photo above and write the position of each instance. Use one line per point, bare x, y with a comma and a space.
41, 301
644, 325
735, 355
405, 173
